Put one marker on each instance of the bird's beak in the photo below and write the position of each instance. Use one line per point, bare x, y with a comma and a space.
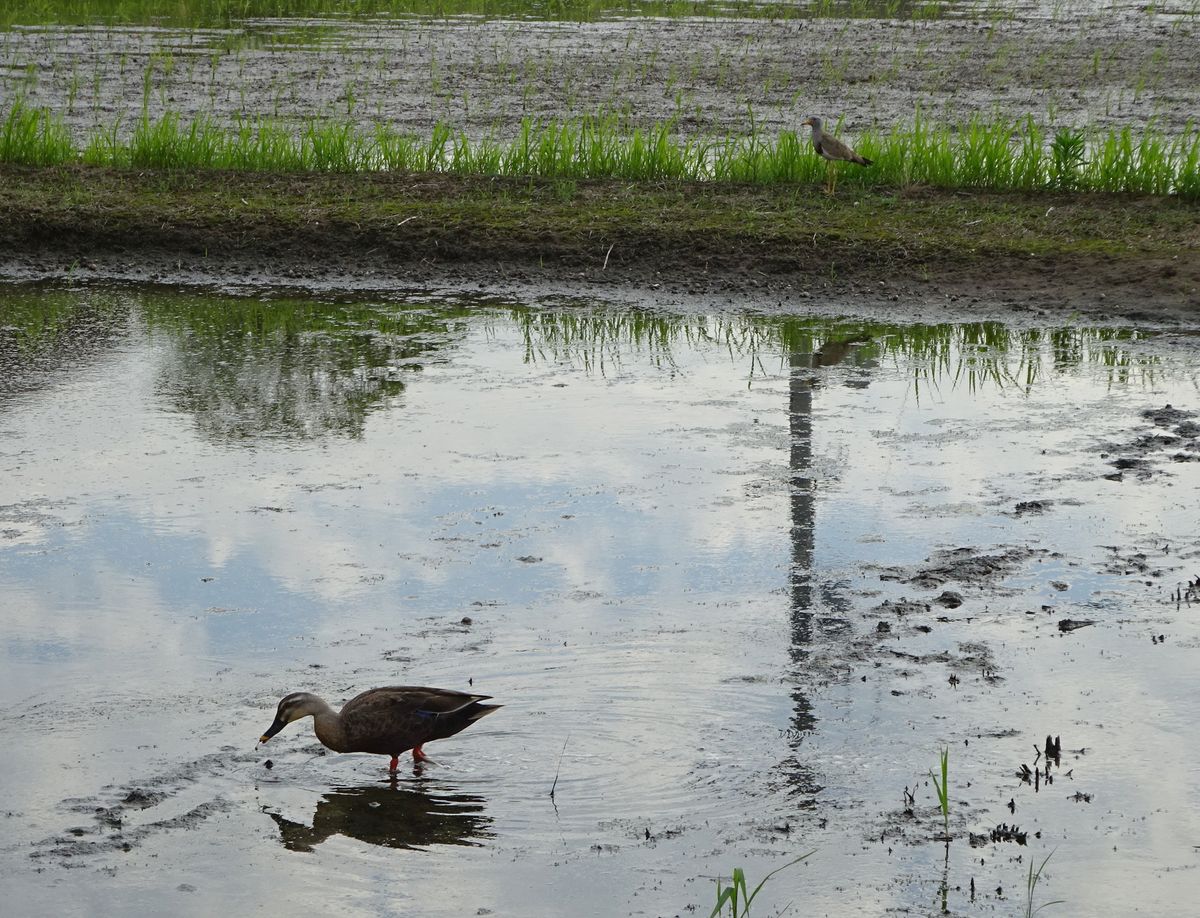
272, 730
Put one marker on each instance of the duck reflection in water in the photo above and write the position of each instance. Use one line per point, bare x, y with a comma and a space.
390, 817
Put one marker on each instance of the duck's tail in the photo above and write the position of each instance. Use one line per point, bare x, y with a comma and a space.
477, 710
456, 721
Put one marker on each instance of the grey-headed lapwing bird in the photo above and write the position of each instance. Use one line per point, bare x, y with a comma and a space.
830, 148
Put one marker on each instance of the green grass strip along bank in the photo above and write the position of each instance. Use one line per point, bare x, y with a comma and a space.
996, 156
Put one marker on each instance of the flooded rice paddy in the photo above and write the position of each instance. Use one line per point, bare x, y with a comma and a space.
1075, 63
737, 579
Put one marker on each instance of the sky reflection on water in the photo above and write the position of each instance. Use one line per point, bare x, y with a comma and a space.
657, 523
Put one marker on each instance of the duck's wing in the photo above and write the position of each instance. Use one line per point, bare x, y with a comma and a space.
409, 698
396, 717
399, 717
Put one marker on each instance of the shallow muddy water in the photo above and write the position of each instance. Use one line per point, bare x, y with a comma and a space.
696, 556
1068, 64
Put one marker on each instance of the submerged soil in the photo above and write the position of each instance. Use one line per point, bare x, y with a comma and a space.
1068, 63
1106, 255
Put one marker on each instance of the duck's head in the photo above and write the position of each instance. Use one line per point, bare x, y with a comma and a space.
292, 707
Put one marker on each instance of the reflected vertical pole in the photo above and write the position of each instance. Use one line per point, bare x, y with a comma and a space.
803, 532
800, 400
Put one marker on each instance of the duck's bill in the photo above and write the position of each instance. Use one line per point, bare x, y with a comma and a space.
272, 730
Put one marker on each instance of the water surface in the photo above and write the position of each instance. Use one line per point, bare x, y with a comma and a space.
663, 540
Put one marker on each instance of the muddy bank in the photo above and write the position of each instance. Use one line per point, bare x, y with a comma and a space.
1108, 256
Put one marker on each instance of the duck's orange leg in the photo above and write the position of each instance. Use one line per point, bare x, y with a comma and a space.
394, 765
418, 755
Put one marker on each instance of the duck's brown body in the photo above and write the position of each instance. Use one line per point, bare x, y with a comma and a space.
386, 721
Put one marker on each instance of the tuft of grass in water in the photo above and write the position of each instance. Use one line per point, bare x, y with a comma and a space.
169, 144
1031, 886
737, 896
943, 791
1185, 155
997, 156
34, 137
1066, 159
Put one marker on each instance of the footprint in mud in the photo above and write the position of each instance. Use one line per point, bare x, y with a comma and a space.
1175, 429
118, 824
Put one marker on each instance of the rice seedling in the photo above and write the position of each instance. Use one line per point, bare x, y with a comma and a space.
1031, 883
34, 137
737, 896
943, 791
1066, 159
335, 147
167, 144
1185, 156
996, 155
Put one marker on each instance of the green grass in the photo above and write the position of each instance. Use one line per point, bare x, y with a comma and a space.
1031, 883
943, 791
997, 156
737, 897
34, 137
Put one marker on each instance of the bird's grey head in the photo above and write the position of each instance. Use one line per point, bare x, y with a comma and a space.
812, 121
291, 707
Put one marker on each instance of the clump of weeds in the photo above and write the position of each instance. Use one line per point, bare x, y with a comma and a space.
943, 792
1031, 883
737, 896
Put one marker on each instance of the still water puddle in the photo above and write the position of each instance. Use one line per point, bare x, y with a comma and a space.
737, 580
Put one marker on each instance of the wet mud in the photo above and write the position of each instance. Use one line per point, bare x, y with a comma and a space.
1071, 64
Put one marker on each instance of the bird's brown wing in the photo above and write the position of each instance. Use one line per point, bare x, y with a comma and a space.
392, 719
833, 148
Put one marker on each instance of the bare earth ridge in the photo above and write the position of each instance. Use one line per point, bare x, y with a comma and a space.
1101, 254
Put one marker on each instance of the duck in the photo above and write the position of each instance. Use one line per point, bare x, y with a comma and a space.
388, 720
830, 148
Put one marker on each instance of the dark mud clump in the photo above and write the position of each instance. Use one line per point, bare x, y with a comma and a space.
1032, 506
114, 821
110, 834
1176, 435
968, 566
